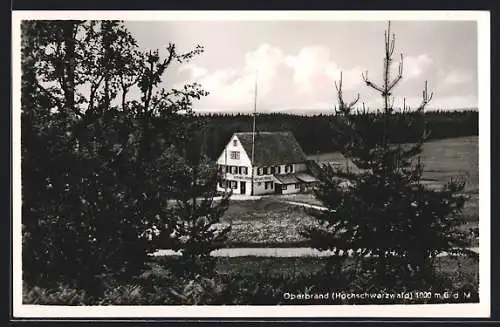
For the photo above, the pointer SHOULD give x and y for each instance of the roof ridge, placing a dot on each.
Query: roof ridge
(265, 132)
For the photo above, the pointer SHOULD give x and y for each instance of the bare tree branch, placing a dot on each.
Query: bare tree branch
(343, 106)
(352, 103)
(426, 98)
(371, 84)
(400, 68)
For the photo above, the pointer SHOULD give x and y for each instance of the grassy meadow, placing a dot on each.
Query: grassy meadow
(442, 160)
(271, 221)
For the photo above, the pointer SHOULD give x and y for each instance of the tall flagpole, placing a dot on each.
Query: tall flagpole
(253, 127)
(225, 171)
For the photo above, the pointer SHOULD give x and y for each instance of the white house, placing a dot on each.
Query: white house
(279, 164)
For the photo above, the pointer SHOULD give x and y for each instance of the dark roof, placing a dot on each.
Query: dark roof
(272, 148)
(306, 178)
(286, 179)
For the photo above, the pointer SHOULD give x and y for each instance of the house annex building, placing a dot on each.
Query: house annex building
(279, 164)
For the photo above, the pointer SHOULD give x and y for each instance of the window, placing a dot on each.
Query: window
(221, 183)
(288, 168)
(235, 155)
(268, 185)
(234, 185)
(242, 170)
(297, 186)
(234, 169)
(235, 142)
(283, 187)
(278, 170)
(259, 171)
(272, 170)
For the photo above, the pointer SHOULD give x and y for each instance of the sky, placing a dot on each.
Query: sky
(298, 62)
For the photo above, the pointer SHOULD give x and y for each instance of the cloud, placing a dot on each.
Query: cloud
(310, 85)
(314, 69)
(233, 87)
(194, 70)
(413, 67)
(266, 61)
(310, 67)
(457, 77)
(218, 79)
(228, 88)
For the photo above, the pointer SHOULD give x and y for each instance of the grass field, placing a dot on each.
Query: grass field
(269, 221)
(442, 160)
(247, 266)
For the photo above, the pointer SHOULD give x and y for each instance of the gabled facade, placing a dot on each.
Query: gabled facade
(279, 165)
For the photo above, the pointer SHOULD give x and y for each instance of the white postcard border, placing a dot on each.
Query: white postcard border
(481, 309)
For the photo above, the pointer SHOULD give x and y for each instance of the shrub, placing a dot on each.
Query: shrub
(60, 295)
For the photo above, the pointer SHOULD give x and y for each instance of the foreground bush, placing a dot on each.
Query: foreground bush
(61, 295)
(269, 281)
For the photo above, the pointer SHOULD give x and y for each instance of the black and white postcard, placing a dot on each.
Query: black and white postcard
(251, 164)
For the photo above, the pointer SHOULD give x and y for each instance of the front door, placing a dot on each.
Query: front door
(278, 188)
(243, 187)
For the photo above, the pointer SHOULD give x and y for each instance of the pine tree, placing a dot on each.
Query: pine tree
(196, 229)
(382, 207)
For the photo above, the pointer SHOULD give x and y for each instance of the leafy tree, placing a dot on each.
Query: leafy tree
(385, 209)
(95, 164)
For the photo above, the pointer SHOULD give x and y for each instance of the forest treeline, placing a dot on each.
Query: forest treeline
(316, 134)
